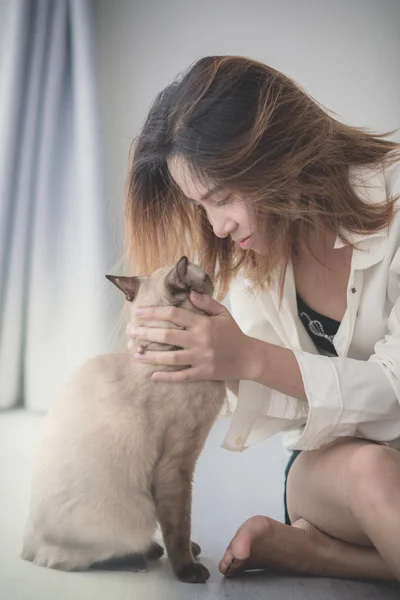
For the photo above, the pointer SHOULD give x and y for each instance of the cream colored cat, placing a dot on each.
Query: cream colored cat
(118, 453)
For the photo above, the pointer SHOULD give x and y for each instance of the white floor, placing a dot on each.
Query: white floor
(228, 489)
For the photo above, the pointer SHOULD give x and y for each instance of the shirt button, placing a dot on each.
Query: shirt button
(353, 290)
(239, 441)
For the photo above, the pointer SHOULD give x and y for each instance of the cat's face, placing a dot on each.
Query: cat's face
(166, 286)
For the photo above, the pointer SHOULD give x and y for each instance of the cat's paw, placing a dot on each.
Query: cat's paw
(196, 550)
(61, 559)
(195, 573)
(155, 551)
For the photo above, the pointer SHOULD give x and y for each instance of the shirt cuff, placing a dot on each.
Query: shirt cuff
(325, 405)
(365, 406)
(260, 413)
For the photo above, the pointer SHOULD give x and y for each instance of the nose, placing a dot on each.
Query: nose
(223, 226)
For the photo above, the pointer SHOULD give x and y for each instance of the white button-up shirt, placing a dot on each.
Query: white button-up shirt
(354, 394)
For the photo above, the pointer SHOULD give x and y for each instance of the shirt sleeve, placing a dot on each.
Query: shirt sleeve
(257, 411)
(349, 397)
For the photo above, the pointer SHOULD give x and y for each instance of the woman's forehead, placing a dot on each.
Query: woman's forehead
(186, 179)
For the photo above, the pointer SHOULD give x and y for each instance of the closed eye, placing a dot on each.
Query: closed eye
(226, 200)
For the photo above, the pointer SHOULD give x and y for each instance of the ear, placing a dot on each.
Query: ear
(128, 285)
(185, 277)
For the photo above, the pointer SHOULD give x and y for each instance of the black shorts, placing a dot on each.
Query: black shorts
(288, 466)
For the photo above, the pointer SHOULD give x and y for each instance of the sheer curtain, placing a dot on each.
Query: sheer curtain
(56, 308)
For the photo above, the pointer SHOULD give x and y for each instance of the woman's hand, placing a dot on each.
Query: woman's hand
(213, 347)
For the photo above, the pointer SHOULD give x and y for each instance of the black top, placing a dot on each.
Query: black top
(321, 329)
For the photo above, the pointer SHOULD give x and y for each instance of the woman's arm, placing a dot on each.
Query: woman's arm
(276, 368)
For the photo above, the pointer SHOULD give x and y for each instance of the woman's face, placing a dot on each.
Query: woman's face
(227, 213)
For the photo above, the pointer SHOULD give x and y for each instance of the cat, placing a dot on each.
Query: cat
(118, 452)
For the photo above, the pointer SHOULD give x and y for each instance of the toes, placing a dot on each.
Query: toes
(196, 550)
(195, 573)
(234, 567)
(241, 544)
(238, 554)
(226, 561)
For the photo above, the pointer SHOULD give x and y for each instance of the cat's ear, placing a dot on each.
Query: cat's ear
(185, 277)
(128, 285)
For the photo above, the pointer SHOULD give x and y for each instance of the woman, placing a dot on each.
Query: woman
(296, 214)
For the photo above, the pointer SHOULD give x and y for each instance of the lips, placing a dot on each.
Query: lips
(244, 243)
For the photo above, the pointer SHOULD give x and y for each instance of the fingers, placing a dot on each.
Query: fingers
(207, 304)
(178, 316)
(173, 337)
(177, 357)
(186, 375)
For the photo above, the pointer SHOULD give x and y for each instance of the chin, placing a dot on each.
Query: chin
(256, 248)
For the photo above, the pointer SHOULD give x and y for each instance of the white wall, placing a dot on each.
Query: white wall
(344, 52)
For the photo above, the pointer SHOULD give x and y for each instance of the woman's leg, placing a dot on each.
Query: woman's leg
(342, 500)
(351, 490)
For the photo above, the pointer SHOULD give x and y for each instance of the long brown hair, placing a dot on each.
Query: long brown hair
(242, 126)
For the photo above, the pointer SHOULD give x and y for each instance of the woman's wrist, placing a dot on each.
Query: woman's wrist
(255, 359)
(275, 367)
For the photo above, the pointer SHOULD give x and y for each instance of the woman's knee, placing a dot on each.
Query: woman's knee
(326, 476)
(373, 474)
(324, 487)
(313, 480)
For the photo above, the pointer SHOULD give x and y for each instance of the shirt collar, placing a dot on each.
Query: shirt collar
(369, 184)
(357, 238)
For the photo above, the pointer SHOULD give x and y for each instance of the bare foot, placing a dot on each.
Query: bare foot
(262, 543)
